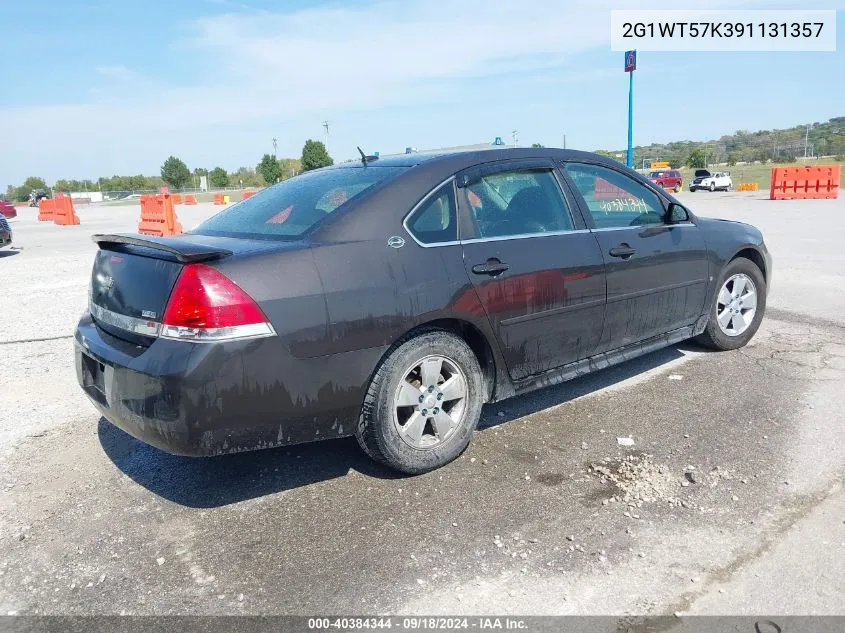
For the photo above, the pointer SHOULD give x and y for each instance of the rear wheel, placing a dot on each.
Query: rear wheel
(423, 403)
(738, 306)
(677, 188)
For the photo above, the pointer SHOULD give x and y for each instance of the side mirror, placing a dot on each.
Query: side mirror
(676, 214)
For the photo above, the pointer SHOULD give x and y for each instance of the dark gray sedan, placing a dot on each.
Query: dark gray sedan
(390, 299)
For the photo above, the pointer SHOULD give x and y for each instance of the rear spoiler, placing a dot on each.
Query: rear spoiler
(185, 251)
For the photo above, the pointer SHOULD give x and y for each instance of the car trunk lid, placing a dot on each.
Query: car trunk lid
(134, 275)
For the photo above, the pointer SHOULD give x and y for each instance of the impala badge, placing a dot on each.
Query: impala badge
(395, 242)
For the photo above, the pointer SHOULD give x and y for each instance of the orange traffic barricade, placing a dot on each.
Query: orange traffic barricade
(177, 198)
(190, 199)
(802, 183)
(218, 198)
(46, 209)
(63, 213)
(158, 217)
(247, 194)
(748, 186)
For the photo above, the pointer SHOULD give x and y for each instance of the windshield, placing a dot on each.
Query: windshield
(289, 209)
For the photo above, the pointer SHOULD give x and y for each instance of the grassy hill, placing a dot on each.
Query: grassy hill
(750, 156)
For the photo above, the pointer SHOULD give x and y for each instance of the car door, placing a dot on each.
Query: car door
(656, 267)
(536, 269)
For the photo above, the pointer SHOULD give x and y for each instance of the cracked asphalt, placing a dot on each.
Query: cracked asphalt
(741, 509)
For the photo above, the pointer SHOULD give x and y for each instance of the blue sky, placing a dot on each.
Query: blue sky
(101, 87)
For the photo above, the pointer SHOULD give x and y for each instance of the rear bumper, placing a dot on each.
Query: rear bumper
(202, 399)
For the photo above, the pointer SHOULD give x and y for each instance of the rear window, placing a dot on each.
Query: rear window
(288, 210)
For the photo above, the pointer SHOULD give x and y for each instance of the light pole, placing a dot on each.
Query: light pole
(807, 138)
(515, 135)
(326, 125)
(274, 146)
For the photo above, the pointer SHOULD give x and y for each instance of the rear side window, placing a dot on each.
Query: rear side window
(519, 202)
(436, 220)
(288, 210)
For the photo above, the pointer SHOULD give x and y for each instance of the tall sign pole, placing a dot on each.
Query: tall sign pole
(630, 67)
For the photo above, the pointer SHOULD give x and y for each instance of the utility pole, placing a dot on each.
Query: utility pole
(326, 125)
(807, 138)
(515, 135)
(564, 141)
(274, 146)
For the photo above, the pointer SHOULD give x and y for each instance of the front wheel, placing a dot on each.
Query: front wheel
(423, 403)
(712, 186)
(738, 307)
(677, 188)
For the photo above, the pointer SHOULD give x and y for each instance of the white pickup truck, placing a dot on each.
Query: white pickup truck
(703, 179)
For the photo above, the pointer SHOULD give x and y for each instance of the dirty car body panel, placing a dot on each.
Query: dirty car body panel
(353, 266)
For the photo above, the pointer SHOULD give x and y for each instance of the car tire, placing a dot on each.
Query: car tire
(381, 432)
(692, 189)
(712, 186)
(714, 336)
(677, 188)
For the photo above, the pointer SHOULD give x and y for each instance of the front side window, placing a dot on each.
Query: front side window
(518, 202)
(289, 209)
(436, 220)
(614, 199)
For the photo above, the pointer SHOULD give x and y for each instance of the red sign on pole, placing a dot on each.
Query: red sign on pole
(630, 61)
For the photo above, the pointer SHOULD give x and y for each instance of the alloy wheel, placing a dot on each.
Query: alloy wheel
(736, 305)
(430, 402)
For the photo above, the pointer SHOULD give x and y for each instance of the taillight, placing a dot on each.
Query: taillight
(205, 305)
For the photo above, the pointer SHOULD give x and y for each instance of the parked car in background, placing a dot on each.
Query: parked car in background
(391, 298)
(7, 210)
(5, 232)
(667, 178)
(703, 179)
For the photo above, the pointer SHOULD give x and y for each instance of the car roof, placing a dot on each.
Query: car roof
(470, 157)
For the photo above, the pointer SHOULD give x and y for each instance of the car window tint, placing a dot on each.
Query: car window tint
(614, 199)
(289, 209)
(519, 202)
(436, 221)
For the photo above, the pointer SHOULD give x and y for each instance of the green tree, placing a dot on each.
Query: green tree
(245, 177)
(696, 159)
(31, 183)
(290, 167)
(731, 160)
(536, 145)
(269, 169)
(175, 173)
(314, 156)
(674, 164)
(218, 178)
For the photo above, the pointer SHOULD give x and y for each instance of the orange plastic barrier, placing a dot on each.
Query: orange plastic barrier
(748, 186)
(177, 198)
(158, 216)
(190, 199)
(63, 213)
(603, 190)
(247, 194)
(218, 198)
(801, 183)
(46, 209)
